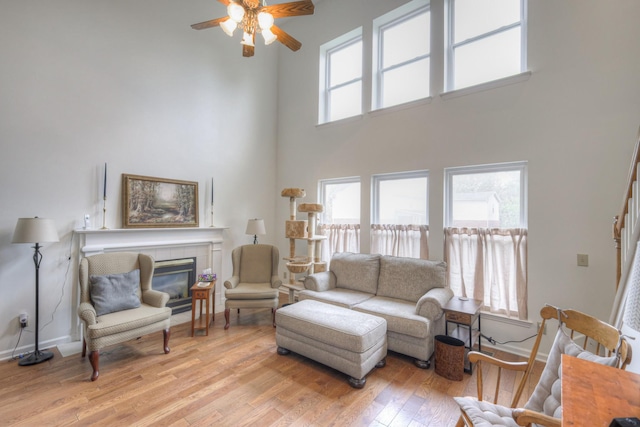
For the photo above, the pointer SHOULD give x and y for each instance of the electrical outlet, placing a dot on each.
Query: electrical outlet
(24, 320)
(545, 328)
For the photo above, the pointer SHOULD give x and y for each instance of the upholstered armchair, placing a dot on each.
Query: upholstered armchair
(117, 303)
(255, 280)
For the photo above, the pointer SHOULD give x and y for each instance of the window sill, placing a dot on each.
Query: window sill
(503, 319)
(399, 107)
(340, 122)
(517, 78)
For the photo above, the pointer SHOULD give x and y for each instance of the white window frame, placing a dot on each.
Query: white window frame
(326, 51)
(496, 167)
(322, 183)
(375, 190)
(450, 46)
(382, 23)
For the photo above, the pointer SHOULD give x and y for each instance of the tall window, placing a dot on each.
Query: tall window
(486, 235)
(341, 77)
(340, 220)
(402, 47)
(486, 40)
(399, 224)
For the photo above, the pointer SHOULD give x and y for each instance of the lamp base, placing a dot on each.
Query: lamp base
(35, 358)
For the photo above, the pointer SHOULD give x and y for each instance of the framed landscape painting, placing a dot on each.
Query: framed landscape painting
(149, 202)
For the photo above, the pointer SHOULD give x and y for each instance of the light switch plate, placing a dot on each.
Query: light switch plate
(583, 260)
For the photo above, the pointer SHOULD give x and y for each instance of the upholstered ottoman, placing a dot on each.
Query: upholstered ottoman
(346, 340)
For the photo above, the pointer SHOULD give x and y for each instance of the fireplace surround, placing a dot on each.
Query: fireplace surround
(200, 243)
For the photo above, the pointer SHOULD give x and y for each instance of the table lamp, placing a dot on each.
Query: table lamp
(35, 230)
(255, 227)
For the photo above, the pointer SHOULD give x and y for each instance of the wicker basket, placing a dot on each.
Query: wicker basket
(449, 358)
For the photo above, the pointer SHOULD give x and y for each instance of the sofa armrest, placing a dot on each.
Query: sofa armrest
(87, 313)
(232, 282)
(155, 298)
(319, 282)
(430, 304)
(276, 282)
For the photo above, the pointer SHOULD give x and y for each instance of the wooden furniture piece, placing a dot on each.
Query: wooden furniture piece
(464, 314)
(202, 292)
(545, 405)
(595, 394)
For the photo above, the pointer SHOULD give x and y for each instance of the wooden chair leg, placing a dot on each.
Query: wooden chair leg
(226, 318)
(167, 334)
(94, 358)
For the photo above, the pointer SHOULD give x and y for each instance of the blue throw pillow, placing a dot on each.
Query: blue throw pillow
(115, 292)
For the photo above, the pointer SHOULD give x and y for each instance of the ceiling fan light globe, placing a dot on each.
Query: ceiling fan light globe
(269, 37)
(235, 11)
(247, 39)
(265, 20)
(229, 27)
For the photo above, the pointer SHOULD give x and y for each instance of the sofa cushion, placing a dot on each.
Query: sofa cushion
(358, 272)
(409, 278)
(115, 292)
(341, 297)
(255, 264)
(399, 314)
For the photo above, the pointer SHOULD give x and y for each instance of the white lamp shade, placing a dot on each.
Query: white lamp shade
(265, 20)
(235, 12)
(35, 230)
(247, 39)
(255, 227)
(229, 27)
(269, 37)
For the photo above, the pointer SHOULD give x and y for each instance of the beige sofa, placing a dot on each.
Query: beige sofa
(408, 293)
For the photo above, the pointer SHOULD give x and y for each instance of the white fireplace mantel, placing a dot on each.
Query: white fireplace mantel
(205, 244)
(99, 241)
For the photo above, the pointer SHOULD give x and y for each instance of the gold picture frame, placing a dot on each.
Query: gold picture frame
(149, 202)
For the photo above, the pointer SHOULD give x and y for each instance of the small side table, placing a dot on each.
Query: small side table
(464, 314)
(201, 291)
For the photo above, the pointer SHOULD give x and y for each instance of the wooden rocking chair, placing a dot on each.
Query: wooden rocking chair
(544, 406)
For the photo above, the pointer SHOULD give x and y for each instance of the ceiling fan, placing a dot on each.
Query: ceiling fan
(254, 16)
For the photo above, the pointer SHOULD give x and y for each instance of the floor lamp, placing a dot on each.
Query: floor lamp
(35, 230)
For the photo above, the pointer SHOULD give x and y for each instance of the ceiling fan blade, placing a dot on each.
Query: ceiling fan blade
(209, 24)
(295, 8)
(286, 39)
(247, 51)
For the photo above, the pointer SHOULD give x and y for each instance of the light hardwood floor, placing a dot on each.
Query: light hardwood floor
(229, 378)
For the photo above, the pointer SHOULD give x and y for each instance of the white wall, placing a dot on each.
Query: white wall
(575, 121)
(131, 84)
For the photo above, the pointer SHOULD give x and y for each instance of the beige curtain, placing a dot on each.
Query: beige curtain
(400, 240)
(340, 238)
(489, 265)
